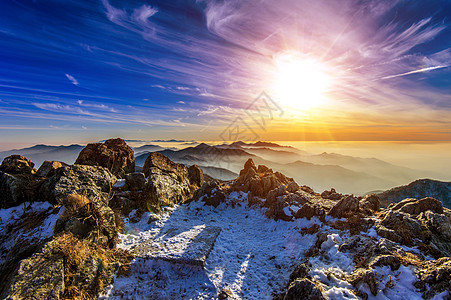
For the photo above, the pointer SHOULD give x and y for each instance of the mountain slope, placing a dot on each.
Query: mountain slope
(419, 189)
(39, 153)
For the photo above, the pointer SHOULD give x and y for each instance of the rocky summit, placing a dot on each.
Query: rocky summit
(113, 154)
(98, 229)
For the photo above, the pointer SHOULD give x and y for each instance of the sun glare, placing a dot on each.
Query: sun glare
(300, 83)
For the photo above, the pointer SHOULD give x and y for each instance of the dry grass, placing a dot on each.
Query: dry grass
(74, 202)
(76, 252)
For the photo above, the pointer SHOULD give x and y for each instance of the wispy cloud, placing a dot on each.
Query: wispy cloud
(415, 72)
(72, 79)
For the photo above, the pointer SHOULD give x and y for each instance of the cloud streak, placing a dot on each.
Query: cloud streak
(72, 79)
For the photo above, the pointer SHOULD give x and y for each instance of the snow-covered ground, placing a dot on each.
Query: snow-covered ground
(253, 256)
(18, 214)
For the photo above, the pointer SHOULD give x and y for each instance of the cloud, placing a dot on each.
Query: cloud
(97, 106)
(415, 72)
(72, 79)
(181, 102)
(142, 14)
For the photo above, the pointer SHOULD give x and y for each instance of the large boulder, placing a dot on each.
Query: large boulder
(370, 203)
(48, 168)
(402, 228)
(135, 181)
(17, 164)
(92, 182)
(168, 183)
(40, 276)
(414, 207)
(113, 154)
(158, 160)
(347, 206)
(15, 190)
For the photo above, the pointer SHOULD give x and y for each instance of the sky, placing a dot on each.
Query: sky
(350, 70)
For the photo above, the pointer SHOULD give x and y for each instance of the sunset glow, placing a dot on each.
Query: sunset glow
(300, 82)
(371, 70)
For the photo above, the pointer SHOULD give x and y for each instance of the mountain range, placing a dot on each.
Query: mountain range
(347, 174)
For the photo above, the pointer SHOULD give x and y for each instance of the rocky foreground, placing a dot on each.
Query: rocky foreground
(99, 229)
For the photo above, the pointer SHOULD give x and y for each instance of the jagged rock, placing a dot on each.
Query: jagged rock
(364, 276)
(212, 193)
(439, 227)
(292, 187)
(113, 154)
(39, 277)
(263, 169)
(345, 207)
(405, 228)
(301, 271)
(370, 202)
(16, 189)
(331, 195)
(259, 181)
(310, 210)
(49, 168)
(248, 165)
(225, 294)
(434, 277)
(17, 164)
(91, 181)
(272, 195)
(386, 260)
(158, 160)
(195, 175)
(166, 189)
(135, 181)
(303, 289)
(414, 207)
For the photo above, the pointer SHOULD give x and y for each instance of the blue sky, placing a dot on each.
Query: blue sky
(77, 71)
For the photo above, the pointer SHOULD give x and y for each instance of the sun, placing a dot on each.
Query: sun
(300, 82)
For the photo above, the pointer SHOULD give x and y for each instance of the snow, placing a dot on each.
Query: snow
(13, 214)
(120, 183)
(394, 284)
(253, 256)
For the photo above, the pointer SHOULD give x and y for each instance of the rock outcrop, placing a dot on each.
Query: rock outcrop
(92, 182)
(49, 168)
(113, 154)
(17, 164)
(161, 183)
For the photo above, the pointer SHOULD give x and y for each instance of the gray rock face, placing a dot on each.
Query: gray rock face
(169, 183)
(39, 277)
(15, 190)
(166, 188)
(17, 164)
(91, 181)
